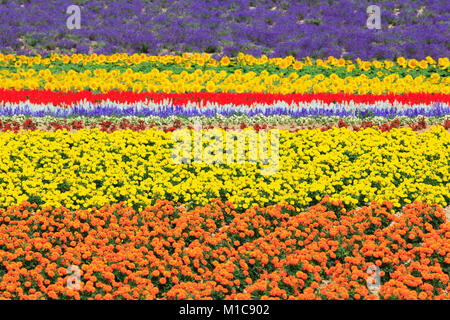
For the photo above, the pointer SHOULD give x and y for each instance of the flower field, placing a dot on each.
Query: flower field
(214, 252)
(410, 28)
(92, 168)
(306, 161)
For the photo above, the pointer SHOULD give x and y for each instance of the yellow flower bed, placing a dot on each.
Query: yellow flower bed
(202, 73)
(91, 168)
(205, 59)
(211, 81)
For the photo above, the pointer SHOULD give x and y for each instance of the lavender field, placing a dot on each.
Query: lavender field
(415, 29)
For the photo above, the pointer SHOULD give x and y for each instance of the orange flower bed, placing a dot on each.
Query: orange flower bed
(213, 252)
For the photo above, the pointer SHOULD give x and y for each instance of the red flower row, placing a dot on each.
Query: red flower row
(63, 98)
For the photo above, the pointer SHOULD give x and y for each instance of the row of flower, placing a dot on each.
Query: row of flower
(191, 62)
(169, 108)
(102, 80)
(277, 28)
(92, 168)
(172, 123)
(67, 99)
(214, 252)
(179, 78)
(213, 82)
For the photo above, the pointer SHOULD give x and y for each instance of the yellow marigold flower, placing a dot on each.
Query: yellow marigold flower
(298, 65)
(225, 61)
(435, 77)
(401, 61)
(210, 87)
(423, 64)
(412, 63)
(284, 64)
(443, 63)
(430, 60)
(239, 88)
(365, 65)
(341, 62)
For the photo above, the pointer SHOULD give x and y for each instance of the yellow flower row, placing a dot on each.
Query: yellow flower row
(212, 81)
(91, 168)
(197, 59)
